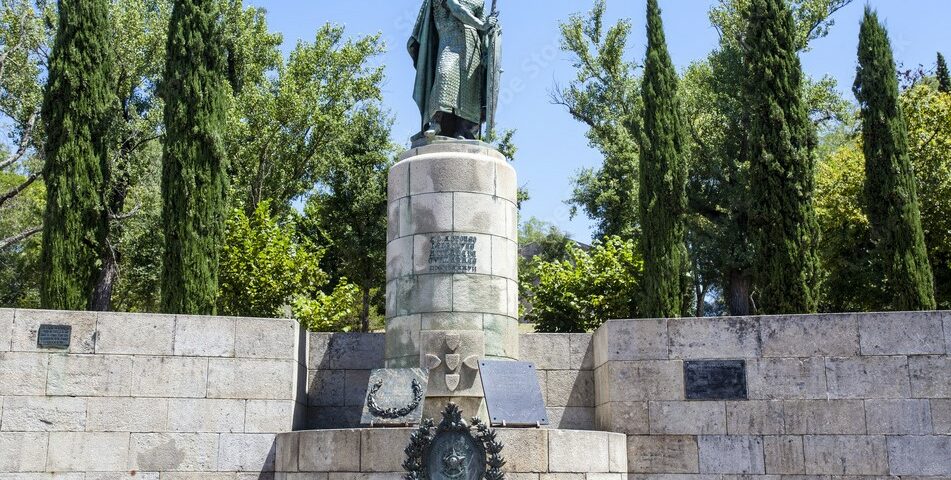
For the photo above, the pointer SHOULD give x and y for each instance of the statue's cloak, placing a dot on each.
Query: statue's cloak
(423, 48)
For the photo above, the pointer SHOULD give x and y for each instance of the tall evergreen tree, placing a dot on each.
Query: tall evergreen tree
(76, 111)
(944, 78)
(891, 197)
(194, 176)
(782, 164)
(663, 178)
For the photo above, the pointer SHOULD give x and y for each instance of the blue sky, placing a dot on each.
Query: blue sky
(552, 146)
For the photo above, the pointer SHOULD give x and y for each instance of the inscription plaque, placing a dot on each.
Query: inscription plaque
(715, 379)
(513, 395)
(452, 254)
(54, 336)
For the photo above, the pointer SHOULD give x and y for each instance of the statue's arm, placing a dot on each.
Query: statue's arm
(465, 15)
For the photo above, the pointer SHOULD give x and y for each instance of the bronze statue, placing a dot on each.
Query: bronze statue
(455, 48)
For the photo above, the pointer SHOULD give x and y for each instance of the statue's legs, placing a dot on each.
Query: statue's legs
(451, 125)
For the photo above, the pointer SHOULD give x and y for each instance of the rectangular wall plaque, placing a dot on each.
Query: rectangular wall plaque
(54, 336)
(452, 254)
(513, 395)
(715, 379)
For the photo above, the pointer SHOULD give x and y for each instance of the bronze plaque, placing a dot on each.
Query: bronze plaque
(452, 254)
(54, 336)
(715, 379)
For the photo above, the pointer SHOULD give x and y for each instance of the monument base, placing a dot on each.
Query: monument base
(597, 455)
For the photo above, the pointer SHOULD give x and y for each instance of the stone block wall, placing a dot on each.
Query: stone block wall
(139, 396)
(830, 396)
(339, 369)
(530, 454)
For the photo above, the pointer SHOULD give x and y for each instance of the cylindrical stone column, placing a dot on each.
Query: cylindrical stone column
(452, 266)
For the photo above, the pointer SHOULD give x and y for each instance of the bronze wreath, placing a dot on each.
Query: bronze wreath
(393, 413)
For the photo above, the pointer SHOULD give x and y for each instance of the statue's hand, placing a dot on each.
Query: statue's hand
(491, 22)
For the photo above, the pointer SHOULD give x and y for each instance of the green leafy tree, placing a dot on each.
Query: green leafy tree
(891, 197)
(19, 258)
(663, 178)
(782, 164)
(537, 238)
(336, 311)
(927, 114)
(139, 32)
(194, 175)
(604, 95)
(296, 119)
(944, 78)
(264, 265)
(580, 293)
(850, 282)
(77, 104)
(348, 212)
(719, 235)
(268, 269)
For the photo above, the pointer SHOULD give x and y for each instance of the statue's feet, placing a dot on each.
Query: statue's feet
(430, 134)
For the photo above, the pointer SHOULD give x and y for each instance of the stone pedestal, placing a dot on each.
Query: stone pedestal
(452, 265)
(569, 454)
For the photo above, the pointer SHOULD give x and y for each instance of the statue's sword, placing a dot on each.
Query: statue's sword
(494, 72)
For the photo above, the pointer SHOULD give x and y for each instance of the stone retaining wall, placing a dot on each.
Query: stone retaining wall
(339, 367)
(156, 397)
(139, 395)
(830, 396)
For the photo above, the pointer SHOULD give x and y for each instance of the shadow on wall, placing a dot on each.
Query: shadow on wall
(338, 370)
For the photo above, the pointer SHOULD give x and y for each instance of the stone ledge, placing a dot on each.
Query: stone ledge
(380, 451)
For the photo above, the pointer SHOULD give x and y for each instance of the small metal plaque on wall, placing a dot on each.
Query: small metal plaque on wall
(513, 395)
(715, 379)
(54, 336)
(452, 254)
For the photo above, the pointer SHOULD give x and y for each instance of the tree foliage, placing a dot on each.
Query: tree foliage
(348, 212)
(264, 264)
(927, 113)
(944, 78)
(194, 165)
(663, 178)
(891, 197)
(782, 165)
(295, 119)
(604, 95)
(586, 289)
(77, 105)
(849, 280)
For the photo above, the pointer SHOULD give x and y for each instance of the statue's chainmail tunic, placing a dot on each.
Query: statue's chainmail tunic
(458, 86)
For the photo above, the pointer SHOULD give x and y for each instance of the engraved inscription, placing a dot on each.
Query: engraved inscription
(715, 379)
(54, 336)
(452, 254)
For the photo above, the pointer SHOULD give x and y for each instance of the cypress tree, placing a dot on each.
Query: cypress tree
(194, 177)
(891, 198)
(663, 178)
(782, 165)
(77, 103)
(944, 79)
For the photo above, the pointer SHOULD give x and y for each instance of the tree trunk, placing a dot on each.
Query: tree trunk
(701, 299)
(102, 295)
(365, 311)
(738, 295)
